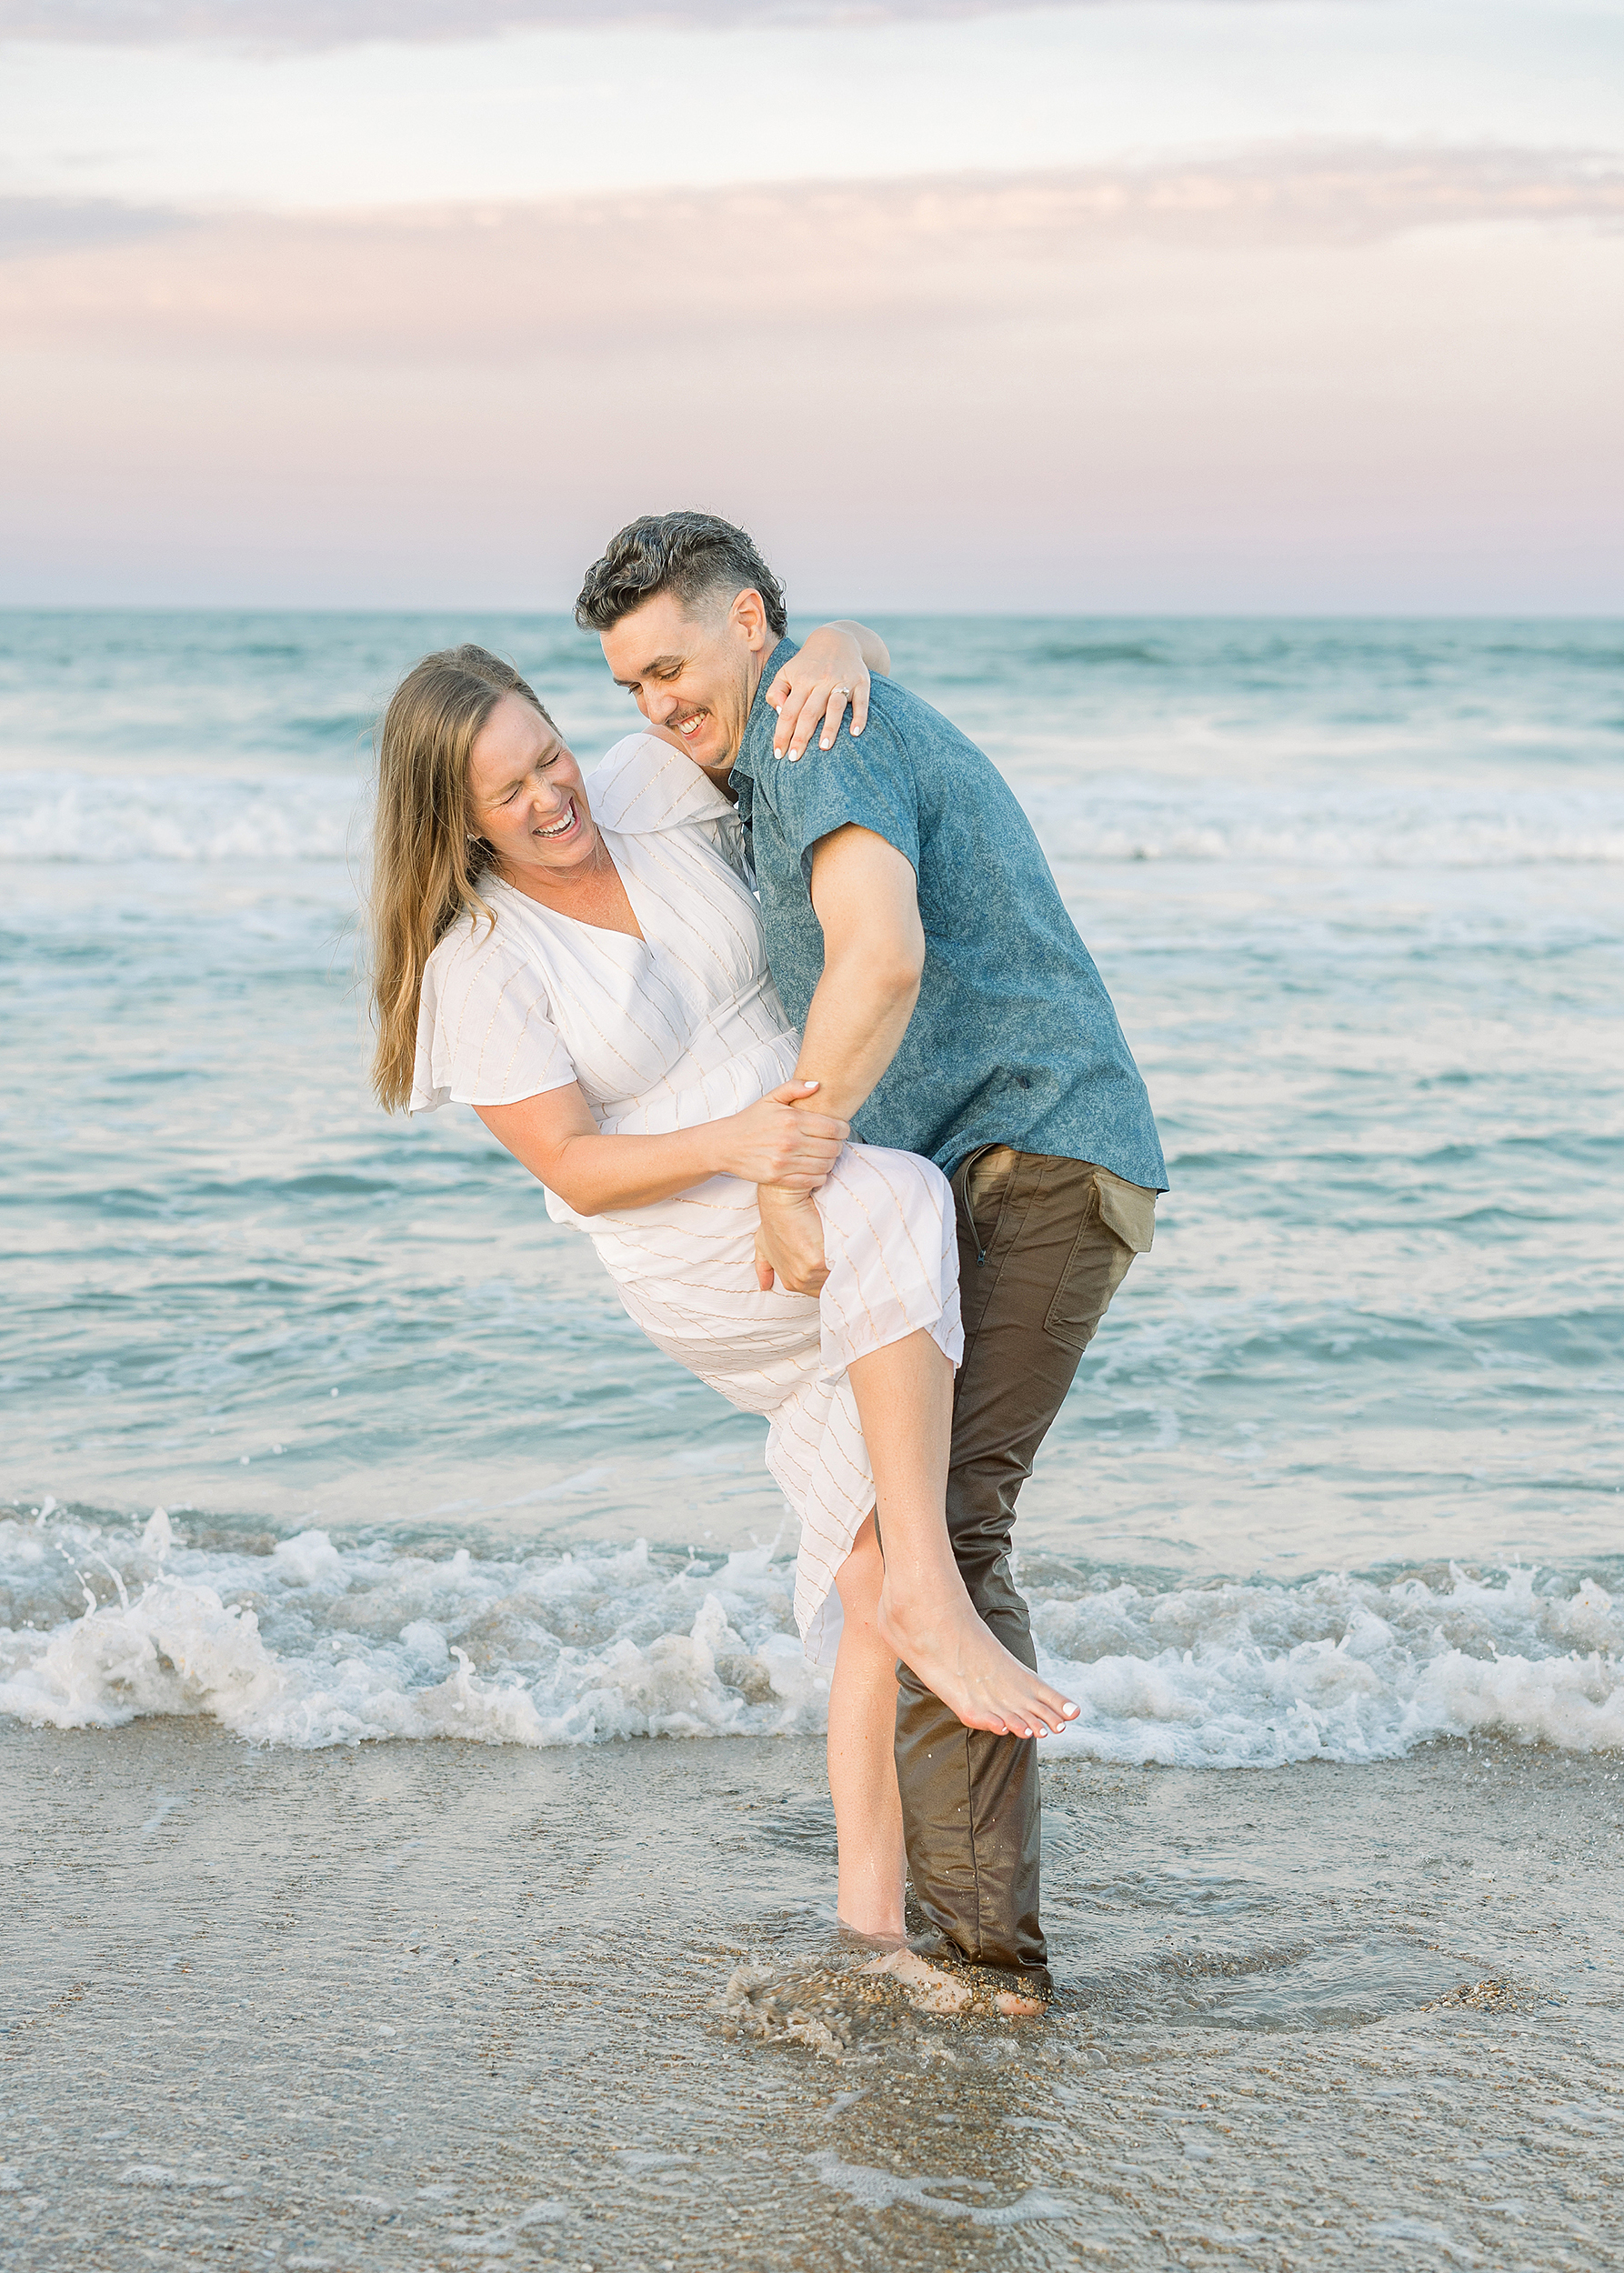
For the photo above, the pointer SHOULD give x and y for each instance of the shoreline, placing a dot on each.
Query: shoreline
(412, 2006)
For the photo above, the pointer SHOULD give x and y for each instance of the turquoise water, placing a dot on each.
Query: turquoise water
(1355, 890)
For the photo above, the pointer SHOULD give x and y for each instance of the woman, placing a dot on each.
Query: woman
(585, 968)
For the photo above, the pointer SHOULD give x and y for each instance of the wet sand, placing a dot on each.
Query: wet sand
(439, 2005)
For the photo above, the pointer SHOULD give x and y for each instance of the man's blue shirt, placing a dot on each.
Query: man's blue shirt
(1013, 1040)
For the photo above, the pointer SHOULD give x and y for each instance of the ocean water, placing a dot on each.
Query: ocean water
(311, 1422)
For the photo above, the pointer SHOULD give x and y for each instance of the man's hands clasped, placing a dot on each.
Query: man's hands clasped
(789, 1242)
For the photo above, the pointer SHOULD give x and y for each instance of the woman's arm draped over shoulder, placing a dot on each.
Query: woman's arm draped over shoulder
(834, 665)
(554, 1137)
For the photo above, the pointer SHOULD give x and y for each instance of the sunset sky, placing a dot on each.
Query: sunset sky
(1145, 304)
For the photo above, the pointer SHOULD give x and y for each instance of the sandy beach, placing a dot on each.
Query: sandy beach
(412, 2006)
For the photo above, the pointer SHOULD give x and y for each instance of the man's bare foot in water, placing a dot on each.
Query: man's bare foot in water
(1016, 2008)
(962, 1661)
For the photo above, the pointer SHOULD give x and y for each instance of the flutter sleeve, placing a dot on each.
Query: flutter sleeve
(643, 787)
(486, 1034)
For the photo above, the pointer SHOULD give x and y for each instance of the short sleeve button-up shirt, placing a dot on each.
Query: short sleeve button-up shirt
(1014, 1040)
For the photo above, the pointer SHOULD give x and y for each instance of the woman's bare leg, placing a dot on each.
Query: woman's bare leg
(904, 1400)
(862, 1758)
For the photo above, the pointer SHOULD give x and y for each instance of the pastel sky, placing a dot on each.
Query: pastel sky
(1134, 306)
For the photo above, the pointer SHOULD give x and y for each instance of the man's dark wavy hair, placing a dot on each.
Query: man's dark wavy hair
(692, 555)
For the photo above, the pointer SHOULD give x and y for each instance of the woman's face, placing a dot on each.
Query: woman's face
(528, 804)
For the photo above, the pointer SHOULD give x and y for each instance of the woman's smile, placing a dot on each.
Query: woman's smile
(562, 828)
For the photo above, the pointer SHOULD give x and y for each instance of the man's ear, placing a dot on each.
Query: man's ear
(748, 613)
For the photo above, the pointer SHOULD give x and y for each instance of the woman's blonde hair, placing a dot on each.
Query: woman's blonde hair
(427, 861)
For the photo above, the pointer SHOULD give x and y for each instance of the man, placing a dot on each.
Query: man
(948, 1007)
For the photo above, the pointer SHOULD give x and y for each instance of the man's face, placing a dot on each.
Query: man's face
(696, 675)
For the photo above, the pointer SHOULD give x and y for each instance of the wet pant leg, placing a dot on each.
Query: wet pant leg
(1038, 1263)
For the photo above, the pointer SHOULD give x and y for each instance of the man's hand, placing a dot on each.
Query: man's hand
(789, 1242)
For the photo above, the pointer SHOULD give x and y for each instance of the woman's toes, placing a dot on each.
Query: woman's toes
(1019, 2007)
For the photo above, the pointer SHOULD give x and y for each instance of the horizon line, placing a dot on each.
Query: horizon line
(920, 615)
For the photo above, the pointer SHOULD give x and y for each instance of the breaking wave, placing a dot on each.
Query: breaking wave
(1445, 829)
(308, 1643)
(1335, 1667)
(304, 816)
(87, 819)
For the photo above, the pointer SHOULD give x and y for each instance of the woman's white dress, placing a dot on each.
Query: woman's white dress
(680, 1027)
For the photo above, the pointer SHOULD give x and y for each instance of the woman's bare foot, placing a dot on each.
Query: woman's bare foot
(931, 1988)
(928, 1988)
(962, 1661)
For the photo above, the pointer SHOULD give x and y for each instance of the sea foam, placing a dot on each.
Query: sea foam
(314, 1643)
(83, 820)
(1335, 1668)
(281, 815)
(1326, 826)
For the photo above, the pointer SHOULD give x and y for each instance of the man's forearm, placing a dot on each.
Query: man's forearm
(854, 1023)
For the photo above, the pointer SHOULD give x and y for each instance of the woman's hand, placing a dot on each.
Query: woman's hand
(777, 1141)
(815, 686)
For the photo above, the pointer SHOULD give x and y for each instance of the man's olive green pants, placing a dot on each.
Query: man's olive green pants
(1043, 1245)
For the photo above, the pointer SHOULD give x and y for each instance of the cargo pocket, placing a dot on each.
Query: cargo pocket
(1128, 1209)
(1095, 1268)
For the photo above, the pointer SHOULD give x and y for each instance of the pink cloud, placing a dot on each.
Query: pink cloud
(337, 22)
(1344, 378)
(481, 283)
